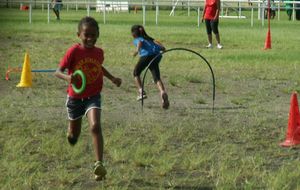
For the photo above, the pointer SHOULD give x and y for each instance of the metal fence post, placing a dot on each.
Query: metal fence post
(263, 16)
(252, 17)
(157, 13)
(222, 8)
(30, 12)
(189, 8)
(258, 11)
(48, 11)
(88, 8)
(278, 10)
(144, 14)
(294, 12)
(104, 12)
(240, 9)
(198, 17)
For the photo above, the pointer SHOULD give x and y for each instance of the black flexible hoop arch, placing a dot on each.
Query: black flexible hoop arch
(188, 50)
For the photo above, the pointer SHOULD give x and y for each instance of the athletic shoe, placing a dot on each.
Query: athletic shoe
(99, 171)
(72, 140)
(209, 46)
(219, 46)
(141, 96)
(165, 101)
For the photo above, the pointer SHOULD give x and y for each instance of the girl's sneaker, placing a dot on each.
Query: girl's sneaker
(209, 46)
(141, 96)
(165, 101)
(99, 171)
(219, 46)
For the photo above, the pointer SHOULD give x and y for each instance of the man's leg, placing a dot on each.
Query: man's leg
(208, 31)
(218, 38)
(58, 15)
(215, 29)
(55, 12)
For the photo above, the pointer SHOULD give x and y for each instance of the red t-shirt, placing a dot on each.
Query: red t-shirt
(90, 61)
(211, 9)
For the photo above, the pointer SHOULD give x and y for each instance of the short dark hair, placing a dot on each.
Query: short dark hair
(90, 21)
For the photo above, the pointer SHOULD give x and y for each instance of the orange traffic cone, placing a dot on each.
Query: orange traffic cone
(26, 78)
(293, 130)
(268, 40)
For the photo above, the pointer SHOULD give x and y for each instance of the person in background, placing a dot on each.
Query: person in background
(211, 16)
(148, 48)
(57, 7)
(289, 9)
(272, 9)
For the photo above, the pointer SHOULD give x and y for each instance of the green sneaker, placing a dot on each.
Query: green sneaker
(99, 171)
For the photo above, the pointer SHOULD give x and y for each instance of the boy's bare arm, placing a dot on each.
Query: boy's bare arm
(60, 74)
(116, 81)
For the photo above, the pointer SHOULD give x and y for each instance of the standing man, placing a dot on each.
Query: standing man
(57, 7)
(289, 9)
(211, 16)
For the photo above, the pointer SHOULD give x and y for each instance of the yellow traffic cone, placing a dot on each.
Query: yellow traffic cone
(26, 78)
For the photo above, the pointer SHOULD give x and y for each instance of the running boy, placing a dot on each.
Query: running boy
(148, 48)
(89, 59)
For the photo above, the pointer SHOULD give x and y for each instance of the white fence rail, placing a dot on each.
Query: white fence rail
(237, 5)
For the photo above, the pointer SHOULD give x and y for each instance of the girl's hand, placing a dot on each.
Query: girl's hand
(135, 53)
(117, 81)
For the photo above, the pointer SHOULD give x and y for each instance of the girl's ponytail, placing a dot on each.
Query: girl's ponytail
(144, 34)
(139, 31)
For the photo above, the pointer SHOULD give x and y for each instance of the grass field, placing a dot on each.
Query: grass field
(186, 147)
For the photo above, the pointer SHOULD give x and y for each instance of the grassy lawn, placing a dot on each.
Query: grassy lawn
(186, 147)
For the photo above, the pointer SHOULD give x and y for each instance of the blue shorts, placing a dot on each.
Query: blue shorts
(77, 108)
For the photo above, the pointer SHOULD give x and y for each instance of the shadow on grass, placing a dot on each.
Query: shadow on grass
(138, 183)
(200, 108)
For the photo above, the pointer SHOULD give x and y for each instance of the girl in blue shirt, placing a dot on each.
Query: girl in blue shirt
(148, 48)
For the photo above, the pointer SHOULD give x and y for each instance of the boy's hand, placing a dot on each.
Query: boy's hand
(117, 81)
(69, 79)
(72, 79)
